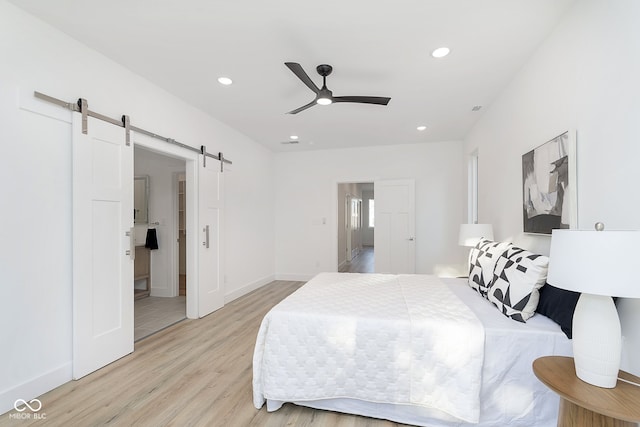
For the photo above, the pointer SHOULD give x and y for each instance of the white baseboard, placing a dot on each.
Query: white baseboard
(247, 288)
(161, 292)
(295, 277)
(35, 387)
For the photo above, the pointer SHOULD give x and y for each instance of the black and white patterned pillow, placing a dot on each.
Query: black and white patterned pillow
(519, 274)
(482, 262)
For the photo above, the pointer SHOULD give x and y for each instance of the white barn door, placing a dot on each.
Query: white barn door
(102, 247)
(394, 238)
(210, 201)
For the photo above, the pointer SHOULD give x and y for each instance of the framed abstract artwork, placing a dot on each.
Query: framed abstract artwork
(549, 185)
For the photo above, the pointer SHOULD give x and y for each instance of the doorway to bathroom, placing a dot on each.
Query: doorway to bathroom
(160, 239)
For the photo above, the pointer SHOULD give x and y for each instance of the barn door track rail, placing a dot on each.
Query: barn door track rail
(82, 107)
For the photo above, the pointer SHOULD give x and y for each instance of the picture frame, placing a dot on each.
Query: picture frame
(549, 183)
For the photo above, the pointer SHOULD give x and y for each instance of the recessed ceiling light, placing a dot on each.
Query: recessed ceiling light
(421, 128)
(440, 52)
(225, 81)
(294, 137)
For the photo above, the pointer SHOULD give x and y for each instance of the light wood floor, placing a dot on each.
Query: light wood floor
(195, 373)
(363, 263)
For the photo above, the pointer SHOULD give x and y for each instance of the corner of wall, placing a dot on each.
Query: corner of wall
(295, 277)
(35, 387)
(250, 287)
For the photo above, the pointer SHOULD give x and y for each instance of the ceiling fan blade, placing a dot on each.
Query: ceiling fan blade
(304, 107)
(363, 99)
(299, 71)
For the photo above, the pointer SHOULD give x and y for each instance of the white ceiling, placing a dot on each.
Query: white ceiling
(376, 47)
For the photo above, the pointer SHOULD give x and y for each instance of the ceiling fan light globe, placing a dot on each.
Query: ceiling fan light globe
(440, 52)
(324, 101)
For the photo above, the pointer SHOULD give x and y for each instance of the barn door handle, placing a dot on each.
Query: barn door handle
(206, 237)
(132, 243)
(411, 239)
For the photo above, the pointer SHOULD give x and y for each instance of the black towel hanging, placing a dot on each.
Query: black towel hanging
(152, 239)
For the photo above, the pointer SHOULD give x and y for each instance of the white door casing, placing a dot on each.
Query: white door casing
(210, 202)
(347, 221)
(394, 237)
(358, 234)
(103, 247)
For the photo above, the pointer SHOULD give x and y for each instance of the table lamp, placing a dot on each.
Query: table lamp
(599, 264)
(470, 234)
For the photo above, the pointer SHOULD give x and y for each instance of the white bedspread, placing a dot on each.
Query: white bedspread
(403, 339)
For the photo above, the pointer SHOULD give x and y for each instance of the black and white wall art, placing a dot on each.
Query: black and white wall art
(549, 185)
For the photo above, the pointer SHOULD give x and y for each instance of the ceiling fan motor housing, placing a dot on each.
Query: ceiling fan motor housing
(324, 70)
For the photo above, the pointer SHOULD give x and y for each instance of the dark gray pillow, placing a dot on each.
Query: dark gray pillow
(558, 305)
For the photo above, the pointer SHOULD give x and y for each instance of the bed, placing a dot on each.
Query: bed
(414, 349)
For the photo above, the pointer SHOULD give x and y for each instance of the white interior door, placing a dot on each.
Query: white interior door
(102, 249)
(210, 289)
(394, 238)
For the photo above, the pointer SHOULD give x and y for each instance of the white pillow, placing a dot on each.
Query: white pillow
(482, 262)
(519, 274)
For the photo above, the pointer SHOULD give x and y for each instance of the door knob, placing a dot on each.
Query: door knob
(132, 243)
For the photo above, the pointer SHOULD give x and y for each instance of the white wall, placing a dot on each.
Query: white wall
(306, 192)
(249, 217)
(585, 76)
(35, 166)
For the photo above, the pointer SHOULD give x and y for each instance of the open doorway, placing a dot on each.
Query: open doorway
(356, 225)
(159, 217)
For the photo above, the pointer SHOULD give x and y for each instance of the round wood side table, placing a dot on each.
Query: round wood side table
(585, 405)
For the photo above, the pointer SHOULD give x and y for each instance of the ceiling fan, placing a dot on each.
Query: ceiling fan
(324, 96)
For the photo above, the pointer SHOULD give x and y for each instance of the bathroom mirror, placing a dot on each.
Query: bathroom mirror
(141, 199)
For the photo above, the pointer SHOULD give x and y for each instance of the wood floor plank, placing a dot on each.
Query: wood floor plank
(194, 373)
(364, 262)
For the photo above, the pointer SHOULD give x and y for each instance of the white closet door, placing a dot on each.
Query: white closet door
(394, 238)
(210, 201)
(102, 265)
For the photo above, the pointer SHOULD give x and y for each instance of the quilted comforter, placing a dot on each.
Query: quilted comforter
(401, 339)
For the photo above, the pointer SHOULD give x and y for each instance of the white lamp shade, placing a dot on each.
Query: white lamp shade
(470, 234)
(595, 262)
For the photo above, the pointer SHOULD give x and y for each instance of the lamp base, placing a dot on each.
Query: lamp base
(597, 340)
